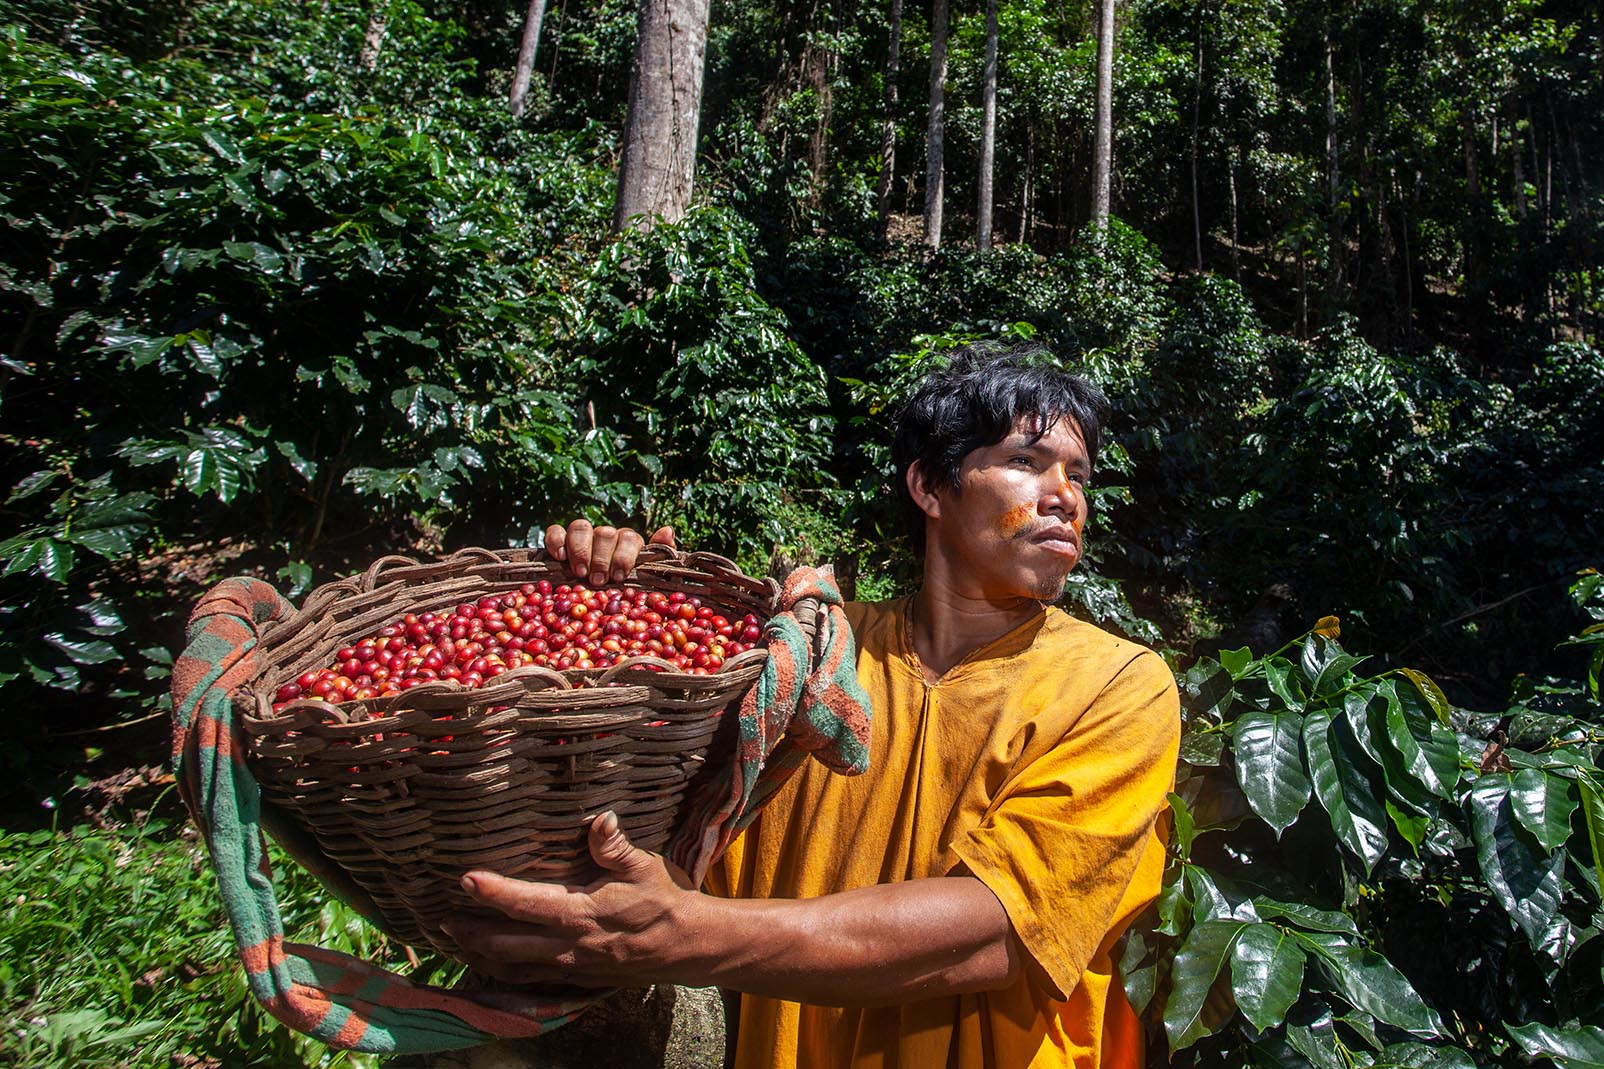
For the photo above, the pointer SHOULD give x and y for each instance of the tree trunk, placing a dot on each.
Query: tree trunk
(988, 132)
(526, 57)
(1103, 127)
(888, 128)
(1236, 264)
(1472, 236)
(1027, 195)
(1197, 108)
(658, 164)
(934, 146)
(818, 66)
(373, 39)
(1333, 171)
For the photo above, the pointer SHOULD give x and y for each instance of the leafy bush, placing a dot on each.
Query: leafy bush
(1364, 874)
(114, 951)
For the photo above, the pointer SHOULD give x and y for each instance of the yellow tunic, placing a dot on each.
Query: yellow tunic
(1040, 763)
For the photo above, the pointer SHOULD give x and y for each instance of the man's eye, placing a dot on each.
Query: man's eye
(1022, 461)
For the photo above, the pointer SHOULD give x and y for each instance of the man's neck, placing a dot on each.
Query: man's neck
(948, 625)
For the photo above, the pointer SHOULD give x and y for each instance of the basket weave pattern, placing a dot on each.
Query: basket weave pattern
(406, 793)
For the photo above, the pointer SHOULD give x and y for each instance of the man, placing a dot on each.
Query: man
(957, 905)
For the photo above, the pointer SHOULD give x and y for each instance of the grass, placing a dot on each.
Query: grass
(114, 951)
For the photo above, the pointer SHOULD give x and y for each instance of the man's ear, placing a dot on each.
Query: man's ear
(925, 498)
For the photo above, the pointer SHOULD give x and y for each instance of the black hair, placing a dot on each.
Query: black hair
(974, 402)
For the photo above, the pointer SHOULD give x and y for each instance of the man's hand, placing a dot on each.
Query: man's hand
(619, 930)
(600, 554)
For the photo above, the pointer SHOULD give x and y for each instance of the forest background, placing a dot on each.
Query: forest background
(286, 287)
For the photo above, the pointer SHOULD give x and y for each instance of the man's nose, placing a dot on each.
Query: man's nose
(1060, 493)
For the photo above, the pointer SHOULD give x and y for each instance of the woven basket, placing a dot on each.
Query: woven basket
(505, 777)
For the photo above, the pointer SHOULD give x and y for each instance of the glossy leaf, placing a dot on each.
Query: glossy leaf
(1357, 818)
(1269, 766)
(1543, 804)
(1573, 1047)
(1523, 878)
(1305, 915)
(1317, 1041)
(1402, 756)
(1266, 974)
(1429, 692)
(1279, 676)
(1370, 983)
(1593, 814)
(1200, 963)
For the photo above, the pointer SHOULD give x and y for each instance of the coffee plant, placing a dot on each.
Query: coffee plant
(1363, 874)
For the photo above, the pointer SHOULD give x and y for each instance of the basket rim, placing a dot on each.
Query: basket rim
(627, 683)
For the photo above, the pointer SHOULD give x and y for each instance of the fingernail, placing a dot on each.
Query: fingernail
(470, 885)
(598, 578)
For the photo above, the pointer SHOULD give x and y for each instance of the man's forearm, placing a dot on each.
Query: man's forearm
(883, 944)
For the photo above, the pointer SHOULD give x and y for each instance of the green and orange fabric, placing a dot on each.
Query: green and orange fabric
(807, 701)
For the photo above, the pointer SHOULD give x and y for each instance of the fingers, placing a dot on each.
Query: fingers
(600, 555)
(612, 554)
(521, 900)
(611, 847)
(557, 541)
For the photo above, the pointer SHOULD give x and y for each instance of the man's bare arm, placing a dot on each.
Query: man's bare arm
(644, 924)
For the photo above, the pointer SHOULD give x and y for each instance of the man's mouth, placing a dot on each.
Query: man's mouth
(1060, 540)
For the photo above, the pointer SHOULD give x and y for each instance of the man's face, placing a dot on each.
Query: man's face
(1012, 528)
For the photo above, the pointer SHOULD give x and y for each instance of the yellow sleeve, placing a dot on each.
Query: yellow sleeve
(1063, 837)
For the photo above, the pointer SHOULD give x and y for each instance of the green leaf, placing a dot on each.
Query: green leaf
(1543, 804)
(1593, 812)
(1237, 662)
(1191, 1013)
(221, 144)
(1183, 829)
(1524, 880)
(1269, 766)
(32, 484)
(1413, 1055)
(1429, 692)
(1305, 916)
(1278, 675)
(1411, 824)
(1266, 974)
(268, 259)
(1317, 1041)
(1403, 758)
(1575, 1047)
(1370, 983)
(80, 651)
(1357, 818)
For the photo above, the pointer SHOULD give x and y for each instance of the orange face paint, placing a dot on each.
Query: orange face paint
(1015, 520)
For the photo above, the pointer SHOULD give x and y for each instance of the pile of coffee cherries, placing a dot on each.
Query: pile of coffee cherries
(569, 625)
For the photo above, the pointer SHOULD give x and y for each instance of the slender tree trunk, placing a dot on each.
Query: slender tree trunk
(658, 164)
(1103, 126)
(373, 39)
(1197, 108)
(1472, 236)
(1236, 265)
(526, 57)
(988, 132)
(818, 65)
(934, 138)
(1517, 157)
(1027, 196)
(888, 128)
(1333, 171)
